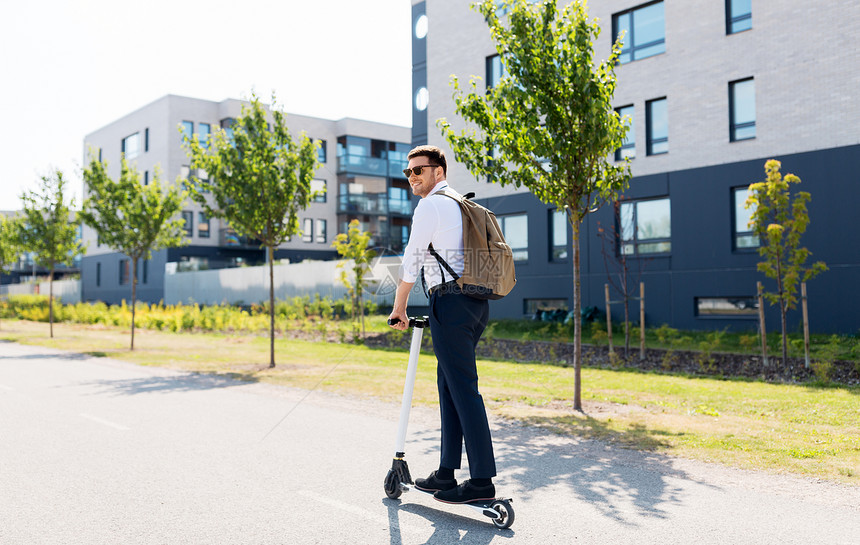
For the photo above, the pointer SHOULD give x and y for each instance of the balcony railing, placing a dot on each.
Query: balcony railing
(359, 164)
(368, 203)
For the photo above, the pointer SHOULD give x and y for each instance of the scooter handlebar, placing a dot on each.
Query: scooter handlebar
(414, 321)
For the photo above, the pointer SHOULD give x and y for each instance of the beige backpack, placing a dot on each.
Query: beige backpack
(488, 261)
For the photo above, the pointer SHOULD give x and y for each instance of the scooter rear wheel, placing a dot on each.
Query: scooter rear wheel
(392, 485)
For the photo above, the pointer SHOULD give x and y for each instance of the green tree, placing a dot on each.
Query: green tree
(259, 179)
(48, 230)
(779, 219)
(548, 124)
(10, 247)
(132, 218)
(353, 245)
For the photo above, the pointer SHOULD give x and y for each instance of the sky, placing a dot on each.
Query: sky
(71, 67)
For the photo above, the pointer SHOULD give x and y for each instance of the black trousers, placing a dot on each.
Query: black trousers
(456, 323)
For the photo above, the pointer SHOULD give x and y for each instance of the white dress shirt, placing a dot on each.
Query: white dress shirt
(437, 219)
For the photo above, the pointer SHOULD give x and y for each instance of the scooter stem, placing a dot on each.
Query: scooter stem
(406, 405)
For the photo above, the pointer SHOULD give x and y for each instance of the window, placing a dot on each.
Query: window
(98, 274)
(322, 151)
(744, 237)
(202, 225)
(145, 177)
(515, 228)
(144, 269)
(738, 15)
(123, 271)
(657, 127)
(318, 189)
(187, 130)
(646, 227)
(495, 70)
(644, 31)
(558, 235)
(727, 307)
(188, 218)
(422, 99)
(146, 139)
(203, 130)
(628, 148)
(532, 306)
(320, 233)
(308, 230)
(421, 27)
(131, 146)
(741, 110)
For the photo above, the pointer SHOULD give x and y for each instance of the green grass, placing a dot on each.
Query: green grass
(800, 429)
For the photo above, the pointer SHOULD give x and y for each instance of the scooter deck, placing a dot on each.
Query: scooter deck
(501, 518)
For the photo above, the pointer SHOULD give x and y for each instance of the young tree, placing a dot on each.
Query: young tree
(618, 267)
(259, 180)
(548, 124)
(48, 230)
(353, 245)
(779, 219)
(132, 218)
(10, 247)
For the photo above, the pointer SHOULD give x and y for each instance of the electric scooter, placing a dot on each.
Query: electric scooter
(398, 479)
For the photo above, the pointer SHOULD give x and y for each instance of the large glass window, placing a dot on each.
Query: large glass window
(657, 127)
(646, 227)
(644, 31)
(187, 129)
(742, 110)
(188, 218)
(738, 15)
(320, 233)
(628, 148)
(558, 235)
(131, 146)
(515, 228)
(727, 307)
(322, 151)
(495, 70)
(744, 237)
(318, 189)
(308, 230)
(203, 131)
(202, 225)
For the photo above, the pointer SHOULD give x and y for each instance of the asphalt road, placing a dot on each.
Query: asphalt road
(95, 451)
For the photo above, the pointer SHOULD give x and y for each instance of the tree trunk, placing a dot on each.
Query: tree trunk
(577, 319)
(51, 301)
(782, 309)
(133, 295)
(271, 251)
(626, 313)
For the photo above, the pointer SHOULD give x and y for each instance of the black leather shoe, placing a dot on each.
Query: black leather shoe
(434, 484)
(466, 493)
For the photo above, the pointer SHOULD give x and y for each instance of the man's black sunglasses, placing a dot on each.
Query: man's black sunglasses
(417, 170)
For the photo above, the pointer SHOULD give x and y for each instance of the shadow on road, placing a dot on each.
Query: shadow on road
(161, 384)
(535, 463)
(448, 527)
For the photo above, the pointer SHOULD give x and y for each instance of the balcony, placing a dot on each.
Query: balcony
(359, 164)
(363, 203)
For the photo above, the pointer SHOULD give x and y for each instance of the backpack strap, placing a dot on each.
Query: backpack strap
(443, 263)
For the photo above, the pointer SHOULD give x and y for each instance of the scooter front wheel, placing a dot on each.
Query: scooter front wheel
(506, 514)
(392, 485)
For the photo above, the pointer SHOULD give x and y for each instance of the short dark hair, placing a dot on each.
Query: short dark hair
(431, 152)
